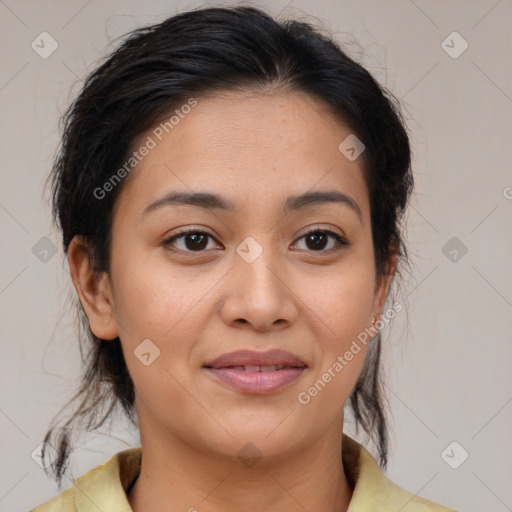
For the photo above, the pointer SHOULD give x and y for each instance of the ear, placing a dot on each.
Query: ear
(383, 283)
(93, 289)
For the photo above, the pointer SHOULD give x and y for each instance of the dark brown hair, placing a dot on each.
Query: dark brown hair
(160, 67)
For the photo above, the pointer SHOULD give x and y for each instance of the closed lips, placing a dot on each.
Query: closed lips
(253, 361)
(252, 372)
(257, 368)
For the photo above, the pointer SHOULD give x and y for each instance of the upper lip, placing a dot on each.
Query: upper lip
(253, 358)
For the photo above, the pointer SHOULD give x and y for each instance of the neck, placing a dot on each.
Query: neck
(175, 477)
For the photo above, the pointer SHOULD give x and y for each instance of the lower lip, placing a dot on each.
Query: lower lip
(257, 382)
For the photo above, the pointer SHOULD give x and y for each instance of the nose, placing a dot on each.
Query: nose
(258, 296)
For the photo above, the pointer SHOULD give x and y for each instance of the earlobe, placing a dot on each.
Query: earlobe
(93, 290)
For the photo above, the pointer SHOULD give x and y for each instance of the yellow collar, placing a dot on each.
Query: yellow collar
(104, 487)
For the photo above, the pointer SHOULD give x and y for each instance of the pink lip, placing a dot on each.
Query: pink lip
(253, 358)
(256, 382)
(227, 369)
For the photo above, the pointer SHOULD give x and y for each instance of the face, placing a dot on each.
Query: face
(255, 268)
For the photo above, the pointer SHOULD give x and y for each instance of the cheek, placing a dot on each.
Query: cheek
(157, 305)
(343, 302)
(342, 307)
(152, 298)
(169, 308)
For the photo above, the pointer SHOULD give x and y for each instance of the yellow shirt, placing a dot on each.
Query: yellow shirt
(104, 487)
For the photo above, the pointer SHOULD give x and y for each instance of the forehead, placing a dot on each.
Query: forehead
(252, 146)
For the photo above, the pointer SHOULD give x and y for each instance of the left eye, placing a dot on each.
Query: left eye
(317, 239)
(197, 241)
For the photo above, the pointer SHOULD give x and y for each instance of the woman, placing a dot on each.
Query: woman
(230, 191)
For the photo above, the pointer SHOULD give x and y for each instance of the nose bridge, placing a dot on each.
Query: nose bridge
(256, 263)
(258, 294)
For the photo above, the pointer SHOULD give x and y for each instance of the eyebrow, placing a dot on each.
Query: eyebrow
(210, 201)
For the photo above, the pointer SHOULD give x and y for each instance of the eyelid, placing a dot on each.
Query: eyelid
(191, 229)
(325, 229)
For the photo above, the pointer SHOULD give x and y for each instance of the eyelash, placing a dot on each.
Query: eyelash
(341, 241)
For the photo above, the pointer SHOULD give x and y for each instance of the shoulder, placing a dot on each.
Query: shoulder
(372, 490)
(104, 485)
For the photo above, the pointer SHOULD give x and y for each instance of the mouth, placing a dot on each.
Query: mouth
(256, 368)
(251, 360)
(256, 372)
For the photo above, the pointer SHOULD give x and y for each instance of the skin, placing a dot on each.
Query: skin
(255, 150)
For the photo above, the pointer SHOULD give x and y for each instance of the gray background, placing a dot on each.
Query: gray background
(448, 367)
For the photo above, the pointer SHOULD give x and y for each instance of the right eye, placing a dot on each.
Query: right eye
(191, 240)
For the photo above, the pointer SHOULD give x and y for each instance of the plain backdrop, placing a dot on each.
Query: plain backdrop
(448, 360)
